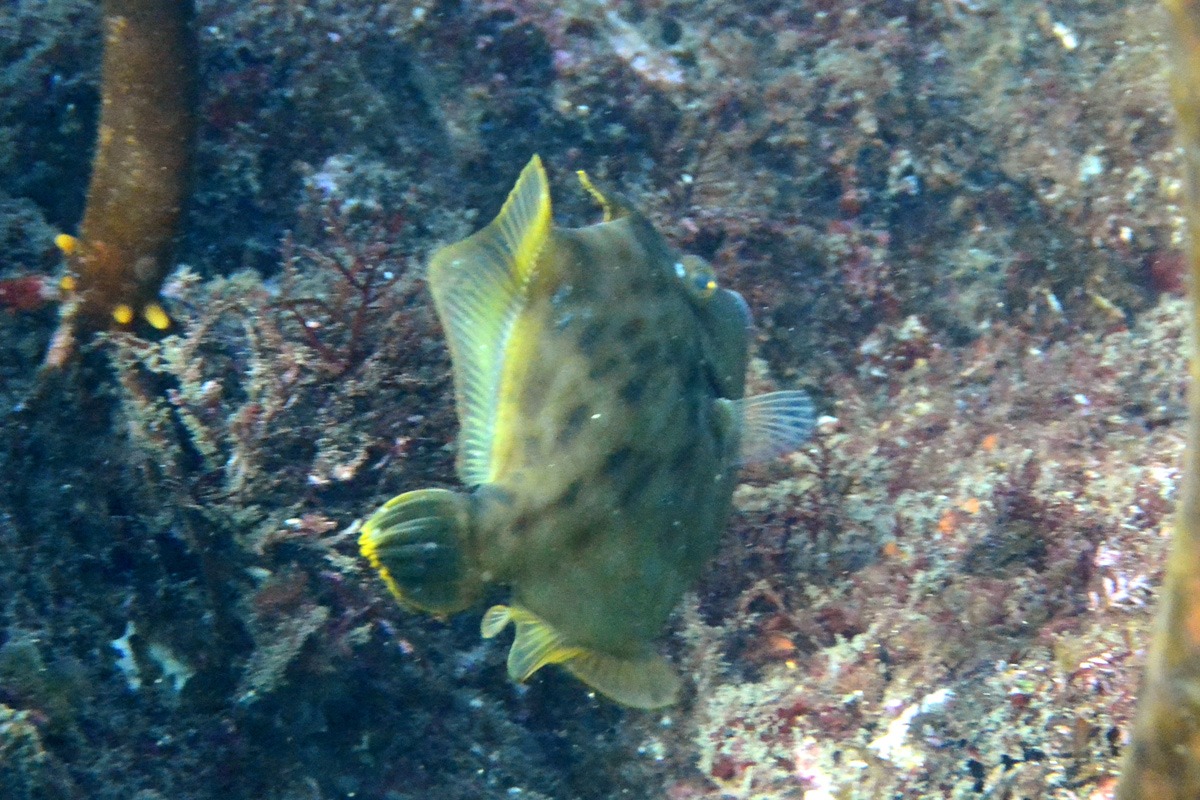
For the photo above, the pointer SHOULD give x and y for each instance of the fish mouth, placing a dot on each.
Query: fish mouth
(743, 308)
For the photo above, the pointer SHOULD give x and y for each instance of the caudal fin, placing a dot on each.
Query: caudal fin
(419, 542)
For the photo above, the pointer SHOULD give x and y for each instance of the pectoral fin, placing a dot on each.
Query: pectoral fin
(647, 682)
(774, 424)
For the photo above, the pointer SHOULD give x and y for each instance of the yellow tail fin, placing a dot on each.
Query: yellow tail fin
(419, 543)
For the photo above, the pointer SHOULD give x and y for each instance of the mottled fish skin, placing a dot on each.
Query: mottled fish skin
(621, 465)
(599, 378)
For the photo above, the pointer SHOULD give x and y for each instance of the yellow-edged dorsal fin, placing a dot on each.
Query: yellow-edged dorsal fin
(479, 287)
(611, 204)
(598, 195)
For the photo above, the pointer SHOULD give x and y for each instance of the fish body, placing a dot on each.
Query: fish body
(599, 377)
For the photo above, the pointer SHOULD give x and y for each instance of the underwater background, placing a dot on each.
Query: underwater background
(954, 223)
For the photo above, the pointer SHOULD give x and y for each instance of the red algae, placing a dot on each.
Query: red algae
(27, 293)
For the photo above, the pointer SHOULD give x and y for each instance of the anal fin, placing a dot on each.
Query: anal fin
(419, 542)
(535, 645)
(644, 682)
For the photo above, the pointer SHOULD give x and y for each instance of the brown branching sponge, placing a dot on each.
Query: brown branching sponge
(1163, 759)
(140, 173)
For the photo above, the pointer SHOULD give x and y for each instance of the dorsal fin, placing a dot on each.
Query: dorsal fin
(479, 287)
(612, 205)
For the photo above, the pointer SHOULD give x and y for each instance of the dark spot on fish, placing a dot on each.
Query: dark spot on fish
(570, 496)
(533, 397)
(638, 287)
(522, 524)
(617, 460)
(677, 352)
(573, 424)
(694, 379)
(604, 368)
(647, 353)
(590, 336)
(533, 446)
(631, 329)
(579, 537)
(633, 390)
(684, 457)
(695, 410)
(641, 477)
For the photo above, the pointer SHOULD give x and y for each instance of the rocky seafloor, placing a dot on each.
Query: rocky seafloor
(954, 222)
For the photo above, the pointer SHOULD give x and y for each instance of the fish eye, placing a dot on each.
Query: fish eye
(697, 277)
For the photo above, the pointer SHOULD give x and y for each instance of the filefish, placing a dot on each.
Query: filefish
(599, 379)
